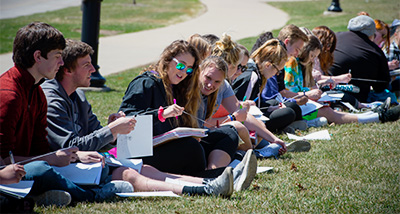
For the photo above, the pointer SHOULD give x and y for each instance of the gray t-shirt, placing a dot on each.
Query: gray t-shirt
(224, 91)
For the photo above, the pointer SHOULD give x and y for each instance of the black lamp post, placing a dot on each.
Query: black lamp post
(90, 35)
(335, 6)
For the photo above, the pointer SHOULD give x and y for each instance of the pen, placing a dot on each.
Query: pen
(244, 98)
(12, 157)
(304, 93)
(175, 103)
(255, 100)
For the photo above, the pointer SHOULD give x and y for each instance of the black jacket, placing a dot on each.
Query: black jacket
(241, 83)
(365, 59)
(144, 95)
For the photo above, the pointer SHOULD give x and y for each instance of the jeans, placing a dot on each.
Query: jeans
(45, 178)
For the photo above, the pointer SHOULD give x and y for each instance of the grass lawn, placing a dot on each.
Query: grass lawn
(358, 171)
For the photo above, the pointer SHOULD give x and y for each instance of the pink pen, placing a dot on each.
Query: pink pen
(175, 103)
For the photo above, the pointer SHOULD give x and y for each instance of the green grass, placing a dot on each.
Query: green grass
(117, 17)
(358, 171)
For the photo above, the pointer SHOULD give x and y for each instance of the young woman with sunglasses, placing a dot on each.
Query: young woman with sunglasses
(165, 91)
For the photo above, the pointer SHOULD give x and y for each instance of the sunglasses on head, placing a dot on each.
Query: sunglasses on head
(180, 66)
(242, 68)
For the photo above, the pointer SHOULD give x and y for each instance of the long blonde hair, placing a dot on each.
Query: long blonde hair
(271, 51)
(187, 92)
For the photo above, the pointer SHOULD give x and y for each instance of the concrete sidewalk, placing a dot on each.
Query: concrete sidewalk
(238, 18)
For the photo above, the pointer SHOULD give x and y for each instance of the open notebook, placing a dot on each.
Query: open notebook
(18, 190)
(179, 132)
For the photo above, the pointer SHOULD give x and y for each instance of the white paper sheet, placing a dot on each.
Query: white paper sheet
(257, 113)
(149, 194)
(330, 97)
(17, 190)
(349, 106)
(139, 142)
(262, 169)
(135, 164)
(320, 135)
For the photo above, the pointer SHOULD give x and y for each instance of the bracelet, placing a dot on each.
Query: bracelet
(233, 117)
(230, 117)
(160, 113)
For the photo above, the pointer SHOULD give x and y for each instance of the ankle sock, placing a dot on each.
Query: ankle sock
(193, 190)
(368, 117)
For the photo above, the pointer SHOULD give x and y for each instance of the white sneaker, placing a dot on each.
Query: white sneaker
(244, 172)
(53, 197)
(222, 185)
(317, 122)
(108, 190)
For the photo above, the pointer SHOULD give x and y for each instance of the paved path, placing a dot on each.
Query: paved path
(239, 18)
(15, 8)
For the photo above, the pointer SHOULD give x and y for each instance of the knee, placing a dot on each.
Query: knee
(126, 174)
(37, 169)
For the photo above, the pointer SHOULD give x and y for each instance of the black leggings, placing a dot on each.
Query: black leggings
(187, 156)
(181, 156)
(224, 138)
(281, 118)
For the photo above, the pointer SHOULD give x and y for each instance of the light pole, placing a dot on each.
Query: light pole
(335, 6)
(90, 35)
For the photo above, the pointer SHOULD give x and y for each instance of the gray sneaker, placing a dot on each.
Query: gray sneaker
(244, 172)
(222, 185)
(299, 124)
(53, 197)
(317, 122)
(298, 146)
(108, 190)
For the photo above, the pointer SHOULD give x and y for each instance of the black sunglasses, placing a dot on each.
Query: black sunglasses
(242, 68)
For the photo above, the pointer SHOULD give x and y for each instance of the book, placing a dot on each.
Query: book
(179, 132)
(18, 190)
(82, 173)
(309, 107)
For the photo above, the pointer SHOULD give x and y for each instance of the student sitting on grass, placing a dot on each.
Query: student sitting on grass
(176, 75)
(37, 55)
(295, 82)
(230, 52)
